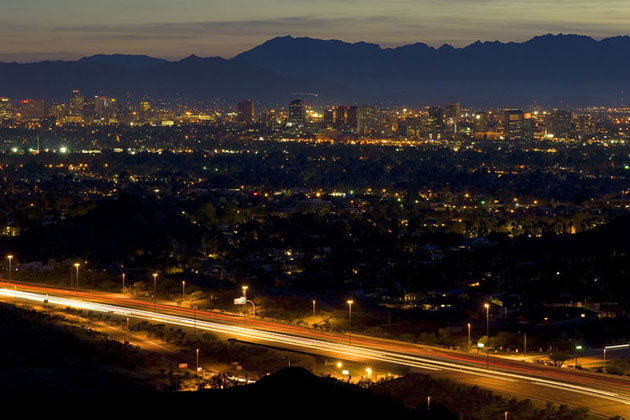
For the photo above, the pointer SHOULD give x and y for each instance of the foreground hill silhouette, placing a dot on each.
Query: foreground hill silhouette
(571, 69)
(78, 374)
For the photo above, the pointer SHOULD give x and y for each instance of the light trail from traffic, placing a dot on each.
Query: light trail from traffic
(330, 348)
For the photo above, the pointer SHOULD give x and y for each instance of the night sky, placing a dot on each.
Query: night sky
(67, 29)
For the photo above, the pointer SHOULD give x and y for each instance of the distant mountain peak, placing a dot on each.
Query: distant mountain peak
(125, 60)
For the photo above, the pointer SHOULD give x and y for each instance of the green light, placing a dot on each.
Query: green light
(14, 149)
(63, 149)
(627, 167)
(483, 202)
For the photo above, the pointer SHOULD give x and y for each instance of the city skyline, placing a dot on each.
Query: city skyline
(67, 29)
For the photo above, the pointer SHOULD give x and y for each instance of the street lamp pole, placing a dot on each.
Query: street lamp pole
(313, 308)
(154, 291)
(123, 279)
(487, 306)
(469, 335)
(350, 302)
(183, 289)
(197, 360)
(244, 289)
(575, 354)
(9, 257)
(76, 266)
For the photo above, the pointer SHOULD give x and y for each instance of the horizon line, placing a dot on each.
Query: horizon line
(379, 45)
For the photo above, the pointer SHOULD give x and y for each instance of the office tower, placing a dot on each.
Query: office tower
(76, 103)
(584, 125)
(412, 128)
(513, 124)
(528, 127)
(245, 112)
(297, 111)
(104, 107)
(480, 122)
(58, 111)
(32, 108)
(6, 110)
(89, 110)
(560, 123)
(452, 113)
(144, 111)
(362, 119)
(435, 122)
(337, 117)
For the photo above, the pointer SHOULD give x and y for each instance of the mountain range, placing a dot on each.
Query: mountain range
(548, 69)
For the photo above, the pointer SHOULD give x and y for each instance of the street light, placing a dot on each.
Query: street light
(123, 279)
(9, 257)
(154, 290)
(313, 308)
(469, 335)
(76, 266)
(197, 360)
(575, 354)
(183, 289)
(244, 289)
(487, 306)
(350, 302)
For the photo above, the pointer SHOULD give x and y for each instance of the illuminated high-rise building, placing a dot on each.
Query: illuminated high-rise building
(76, 103)
(6, 109)
(144, 111)
(452, 113)
(297, 111)
(435, 122)
(560, 123)
(480, 122)
(58, 111)
(363, 119)
(337, 117)
(245, 112)
(32, 108)
(104, 107)
(584, 125)
(513, 124)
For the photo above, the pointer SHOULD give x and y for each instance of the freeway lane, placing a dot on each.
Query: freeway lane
(605, 395)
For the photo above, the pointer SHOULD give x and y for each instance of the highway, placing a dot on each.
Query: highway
(603, 395)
